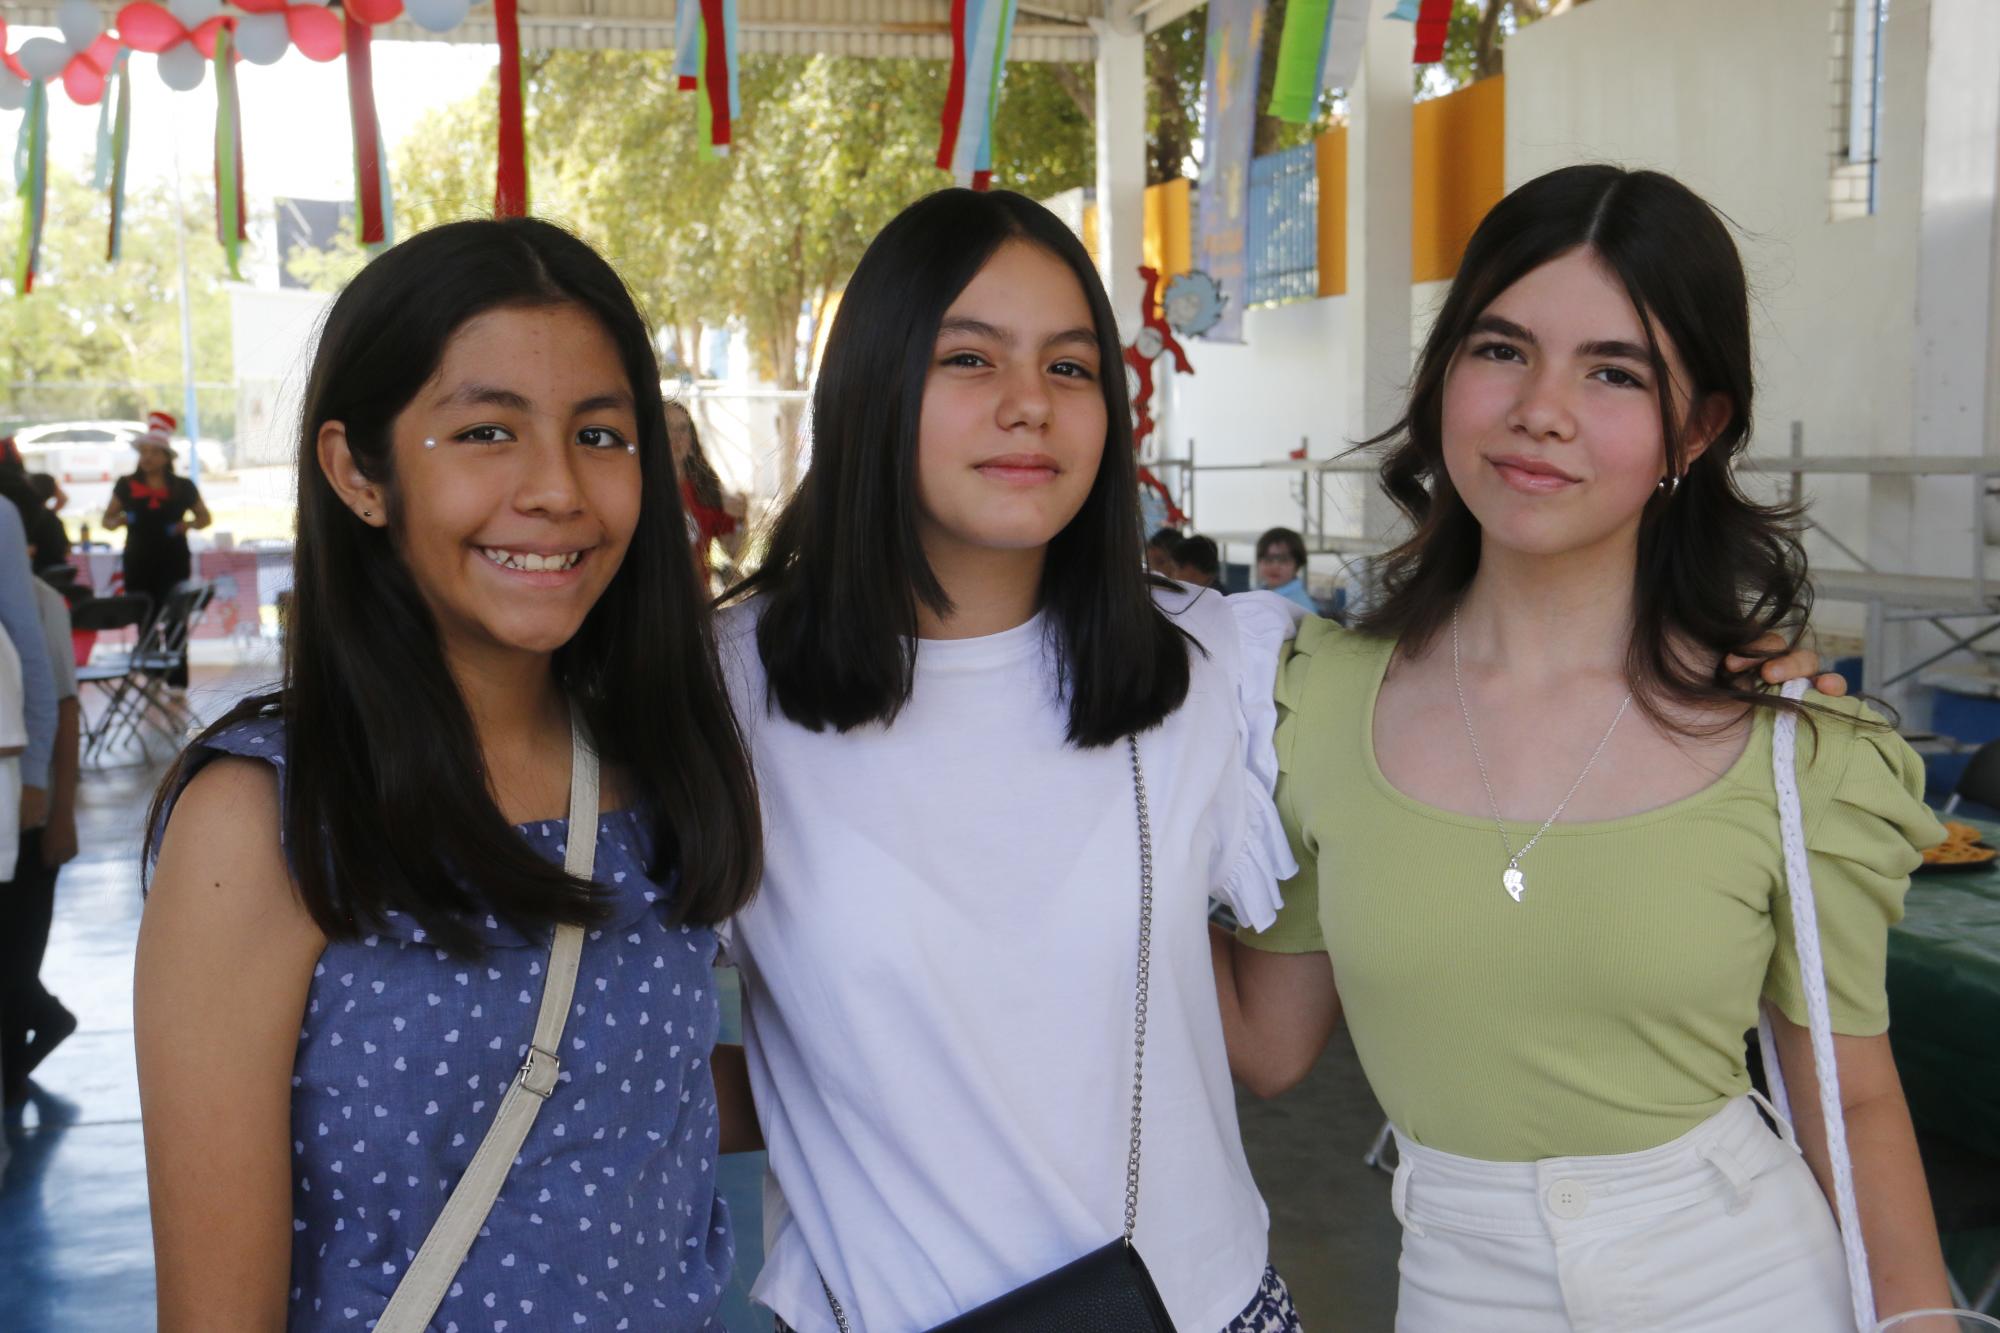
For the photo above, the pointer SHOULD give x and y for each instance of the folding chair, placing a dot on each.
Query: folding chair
(141, 700)
(112, 675)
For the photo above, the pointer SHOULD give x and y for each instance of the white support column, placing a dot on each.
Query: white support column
(1121, 160)
(1379, 148)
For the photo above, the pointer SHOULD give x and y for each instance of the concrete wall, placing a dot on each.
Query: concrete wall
(1738, 100)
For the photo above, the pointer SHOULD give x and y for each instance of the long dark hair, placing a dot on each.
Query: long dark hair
(386, 804)
(846, 570)
(1716, 569)
(699, 472)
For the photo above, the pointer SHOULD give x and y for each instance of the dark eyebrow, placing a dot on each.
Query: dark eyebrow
(1612, 347)
(612, 400)
(1506, 328)
(979, 328)
(1623, 351)
(484, 395)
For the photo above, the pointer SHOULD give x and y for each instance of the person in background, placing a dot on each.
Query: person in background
(1160, 551)
(32, 1021)
(1198, 563)
(47, 534)
(48, 544)
(1281, 566)
(158, 506)
(713, 514)
(27, 693)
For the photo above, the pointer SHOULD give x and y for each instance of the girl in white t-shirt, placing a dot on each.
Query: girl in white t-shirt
(938, 669)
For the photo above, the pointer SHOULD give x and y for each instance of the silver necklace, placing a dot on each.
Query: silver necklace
(1512, 879)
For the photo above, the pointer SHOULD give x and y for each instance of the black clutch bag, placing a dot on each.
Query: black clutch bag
(1106, 1291)
(1109, 1289)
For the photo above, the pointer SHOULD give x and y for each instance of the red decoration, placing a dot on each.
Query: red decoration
(83, 78)
(316, 31)
(510, 189)
(1433, 21)
(367, 135)
(373, 12)
(1161, 333)
(715, 71)
(954, 93)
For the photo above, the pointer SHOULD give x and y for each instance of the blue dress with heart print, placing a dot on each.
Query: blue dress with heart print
(610, 1218)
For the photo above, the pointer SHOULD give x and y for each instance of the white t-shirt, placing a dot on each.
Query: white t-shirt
(939, 968)
(56, 630)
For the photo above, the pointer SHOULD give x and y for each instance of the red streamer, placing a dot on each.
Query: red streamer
(510, 191)
(715, 70)
(1433, 22)
(367, 134)
(954, 93)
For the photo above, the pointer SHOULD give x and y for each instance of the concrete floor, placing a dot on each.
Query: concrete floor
(75, 1243)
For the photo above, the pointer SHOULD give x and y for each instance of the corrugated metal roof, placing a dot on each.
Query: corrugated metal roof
(1044, 30)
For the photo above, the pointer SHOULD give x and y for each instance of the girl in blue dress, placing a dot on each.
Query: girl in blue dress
(358, 875)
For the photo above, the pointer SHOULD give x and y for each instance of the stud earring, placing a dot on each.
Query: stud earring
(631, 448)
(430, 444)
(367, 513)
(1668, 485)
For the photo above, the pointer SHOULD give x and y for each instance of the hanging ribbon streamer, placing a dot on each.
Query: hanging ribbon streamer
(31, 176)
(980, 32)
(369, 191)
(510, 189)
(1318, 53)
(231, 224)
(112, 150)
(687, 45)
(1433, 24)
(705, 61)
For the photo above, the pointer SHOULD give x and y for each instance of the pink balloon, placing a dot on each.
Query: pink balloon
(83, 81)
(103, 52)
(145, 26)
(317, 32)
(260, 6)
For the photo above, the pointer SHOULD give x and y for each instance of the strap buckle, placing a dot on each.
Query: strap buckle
(539, 1072)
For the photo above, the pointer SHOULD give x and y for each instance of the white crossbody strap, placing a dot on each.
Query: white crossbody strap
(429, 1275)
(1812, 976)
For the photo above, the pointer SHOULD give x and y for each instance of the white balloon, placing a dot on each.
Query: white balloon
(43, 57)
(13, 92)
(437, 15)
(80, 22)
(194, 13)
(182, 67)
(262, 38)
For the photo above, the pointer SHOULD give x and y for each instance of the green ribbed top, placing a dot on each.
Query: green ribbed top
(1605, 1013)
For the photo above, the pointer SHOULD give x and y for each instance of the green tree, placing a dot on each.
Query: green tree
(89, 322)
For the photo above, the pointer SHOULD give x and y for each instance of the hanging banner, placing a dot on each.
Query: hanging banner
(1433, 25)
(1320, 53)
(369, 173)
(510, 189)
(980, 33)
(231, 221)
(31, 177)
(1235, 45)
(119, 149)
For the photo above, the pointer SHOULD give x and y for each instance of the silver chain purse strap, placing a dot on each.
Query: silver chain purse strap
(1138, 1017)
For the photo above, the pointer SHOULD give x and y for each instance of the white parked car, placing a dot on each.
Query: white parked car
(87, 451)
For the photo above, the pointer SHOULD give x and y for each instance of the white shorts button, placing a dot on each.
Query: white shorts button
(1567, 1199)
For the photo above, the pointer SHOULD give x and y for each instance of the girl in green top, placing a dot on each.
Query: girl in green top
(1535, 817)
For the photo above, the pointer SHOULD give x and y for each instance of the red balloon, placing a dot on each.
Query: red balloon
(317, 32)
(375, 12)
(149, 27)
(83, 81)
(102, 53)
(204, 36)
(259, 6)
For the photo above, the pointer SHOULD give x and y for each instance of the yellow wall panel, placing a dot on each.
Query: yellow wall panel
(1458, 173)
(1330, 162)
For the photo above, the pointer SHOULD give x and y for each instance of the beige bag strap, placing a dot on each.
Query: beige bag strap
(429, 1275)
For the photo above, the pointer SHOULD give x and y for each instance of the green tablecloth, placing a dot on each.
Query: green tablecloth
(1944, 1002)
